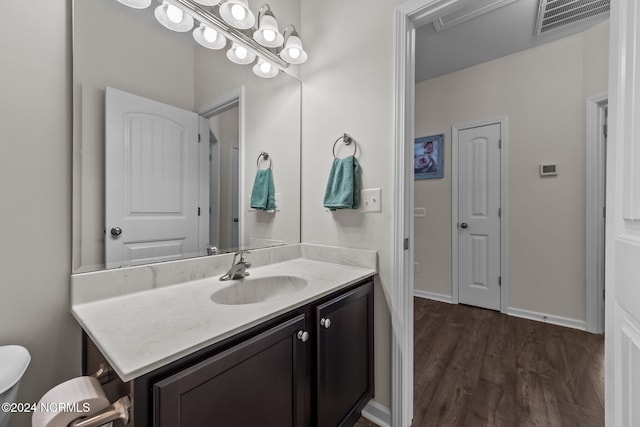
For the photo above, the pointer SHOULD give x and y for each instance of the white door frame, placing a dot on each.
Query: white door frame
(595, 222)
(455, 261)
(220, 105)
(408, 16)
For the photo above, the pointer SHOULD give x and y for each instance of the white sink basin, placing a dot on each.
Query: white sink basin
(259, 289)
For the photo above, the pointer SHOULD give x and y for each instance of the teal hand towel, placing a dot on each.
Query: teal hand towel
(263, 194)
(343, 187)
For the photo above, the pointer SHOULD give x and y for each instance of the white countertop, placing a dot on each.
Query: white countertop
(140, 332)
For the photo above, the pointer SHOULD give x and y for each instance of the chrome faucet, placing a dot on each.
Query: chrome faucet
(238, 269)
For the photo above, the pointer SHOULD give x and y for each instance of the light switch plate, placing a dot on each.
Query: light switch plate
(370, 200)
(419, 212)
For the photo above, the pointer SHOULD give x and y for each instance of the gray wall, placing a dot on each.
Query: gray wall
(348, 87)
(35, 189)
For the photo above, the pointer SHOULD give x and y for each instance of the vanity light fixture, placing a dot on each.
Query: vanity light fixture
(265, 69)
(240, 54)
(136, 4)
(173, 17)
(209, 38)
(208, 2)
(237, 14)
(292, 52)
(222, 20)
(267, 33)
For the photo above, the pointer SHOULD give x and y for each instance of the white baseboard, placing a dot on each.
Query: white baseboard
(547, 318)
(434, 296)
(378, 414)
(516, 312)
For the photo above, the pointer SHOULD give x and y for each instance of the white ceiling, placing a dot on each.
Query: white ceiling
(501, 32)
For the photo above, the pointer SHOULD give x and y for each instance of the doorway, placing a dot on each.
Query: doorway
(224, 176)
(409, 17)
(222, 120)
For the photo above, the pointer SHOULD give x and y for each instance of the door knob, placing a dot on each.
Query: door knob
(464, 225)
(116, 231)
(303, 336)
(235, 220)
(325, 322)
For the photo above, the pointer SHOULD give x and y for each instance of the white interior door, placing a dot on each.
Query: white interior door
(214, 190)
(235, 199)
(151, 181)
(622, 254)
(478, 216)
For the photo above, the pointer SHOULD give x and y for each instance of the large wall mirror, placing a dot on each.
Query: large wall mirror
(167, 140)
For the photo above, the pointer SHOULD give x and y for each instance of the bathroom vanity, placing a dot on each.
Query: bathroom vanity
(303, 357)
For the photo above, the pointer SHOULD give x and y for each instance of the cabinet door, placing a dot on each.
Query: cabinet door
(344, 359)
(260, 382)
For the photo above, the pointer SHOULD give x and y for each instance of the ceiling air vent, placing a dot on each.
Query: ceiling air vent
(555, 14)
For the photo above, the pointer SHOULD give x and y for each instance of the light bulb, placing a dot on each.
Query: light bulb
(210, 34)
(265, 67)
(294, 53)
(238, 12)
(269, 35)
(241, 52)
(174, 14)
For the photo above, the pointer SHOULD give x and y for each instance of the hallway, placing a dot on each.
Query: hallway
(476, 367)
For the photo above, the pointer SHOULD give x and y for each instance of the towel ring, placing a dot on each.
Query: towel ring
(347, 140)
(265, 156)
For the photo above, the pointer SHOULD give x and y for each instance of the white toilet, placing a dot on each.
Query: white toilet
(14, 360)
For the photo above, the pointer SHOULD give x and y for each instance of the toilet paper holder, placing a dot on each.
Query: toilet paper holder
(119, 410)
(102, 374)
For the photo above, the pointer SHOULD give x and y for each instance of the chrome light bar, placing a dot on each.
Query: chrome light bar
(205, 16)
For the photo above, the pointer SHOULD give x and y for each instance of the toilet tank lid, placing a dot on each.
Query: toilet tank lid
(14, 360)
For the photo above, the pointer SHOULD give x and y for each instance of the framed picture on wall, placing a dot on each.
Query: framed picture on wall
(428, 157)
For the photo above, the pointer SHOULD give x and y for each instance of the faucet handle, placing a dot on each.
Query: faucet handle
(240, 254)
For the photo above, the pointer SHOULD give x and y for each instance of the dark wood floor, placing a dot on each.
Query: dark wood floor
(476, 367)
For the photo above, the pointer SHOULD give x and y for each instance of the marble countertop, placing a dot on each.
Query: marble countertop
(140, 332)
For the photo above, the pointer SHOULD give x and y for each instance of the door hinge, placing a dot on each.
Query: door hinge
(199, 137)
(198, 210)
(210, 158)
(499, 280)
(500, 144)
(603, 294)
(499, 212)
(406, 244)
(604, 130)
(604, 212)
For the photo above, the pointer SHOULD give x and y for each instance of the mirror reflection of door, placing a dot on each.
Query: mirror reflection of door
(172, 181)
(225, 175)
(151, 181)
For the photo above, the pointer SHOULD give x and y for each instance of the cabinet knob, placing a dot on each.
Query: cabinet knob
(303, 336)
(325, 322)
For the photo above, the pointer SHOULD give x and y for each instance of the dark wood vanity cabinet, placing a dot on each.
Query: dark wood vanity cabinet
(310, 367)
(344, 362)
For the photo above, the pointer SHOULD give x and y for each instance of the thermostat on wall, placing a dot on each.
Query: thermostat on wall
(548, 170)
